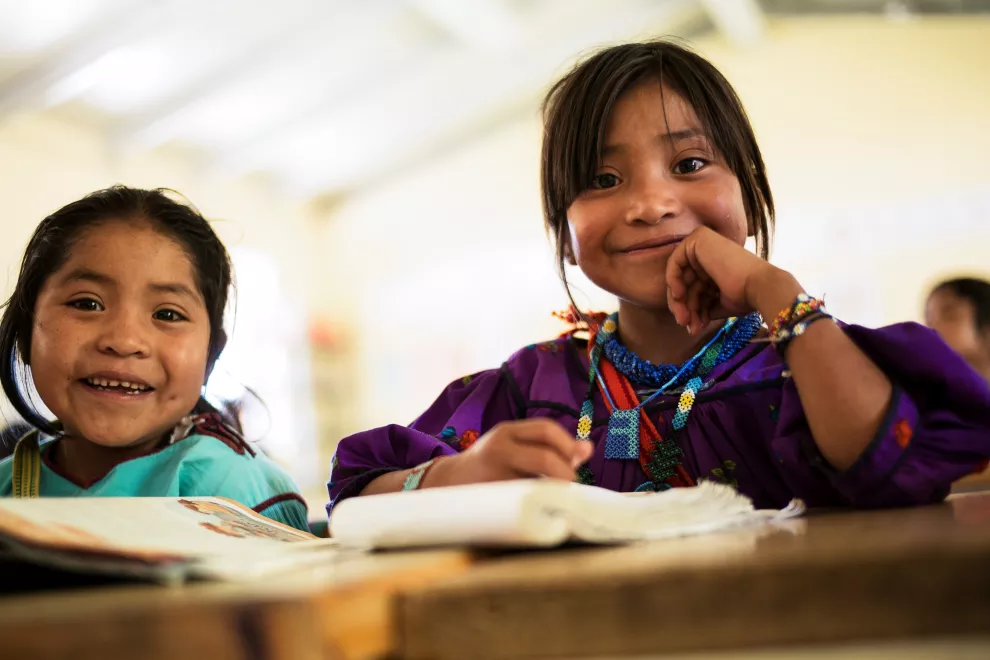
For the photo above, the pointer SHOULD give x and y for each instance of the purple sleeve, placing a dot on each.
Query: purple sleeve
(466, 409)
(936, 430)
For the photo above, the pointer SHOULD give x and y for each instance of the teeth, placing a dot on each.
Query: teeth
(103, 382)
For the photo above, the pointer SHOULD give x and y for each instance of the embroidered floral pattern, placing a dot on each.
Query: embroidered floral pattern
(552, 347)
(903, 433)
(467, 380)
(724, 474)
(449, 435)
(459, 442)
(468, 438)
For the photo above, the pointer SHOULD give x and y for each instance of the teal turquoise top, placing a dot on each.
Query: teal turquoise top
(200, 464)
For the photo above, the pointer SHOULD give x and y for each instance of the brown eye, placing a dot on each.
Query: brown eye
(169, 315)
(689, 165)
(86, 305)
(604, 181)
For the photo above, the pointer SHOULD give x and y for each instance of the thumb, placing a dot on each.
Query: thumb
(583, 451)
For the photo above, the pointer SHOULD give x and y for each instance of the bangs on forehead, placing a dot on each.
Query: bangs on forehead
(690, 91)
(577, 109)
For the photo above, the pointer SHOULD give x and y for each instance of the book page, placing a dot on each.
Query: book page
(482, 514)
(540, 513)
(147, 528)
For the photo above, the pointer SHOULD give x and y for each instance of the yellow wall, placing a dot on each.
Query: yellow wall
(874, 132)
(45, 163)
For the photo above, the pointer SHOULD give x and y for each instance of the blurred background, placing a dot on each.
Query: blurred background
(373, 167)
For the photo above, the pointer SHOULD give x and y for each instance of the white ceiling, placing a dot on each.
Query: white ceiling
(324, 95)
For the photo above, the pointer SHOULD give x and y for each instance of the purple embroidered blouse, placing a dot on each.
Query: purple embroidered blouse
(747, 429)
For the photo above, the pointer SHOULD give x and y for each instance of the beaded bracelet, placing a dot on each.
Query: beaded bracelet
(415, 476)
(785, 336)
(803, 307)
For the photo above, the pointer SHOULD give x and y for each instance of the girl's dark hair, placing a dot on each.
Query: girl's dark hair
(48, 250)
(974, 290)
(576, 112)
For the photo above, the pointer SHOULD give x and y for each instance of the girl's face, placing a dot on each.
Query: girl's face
(121, 335)
(954, 319)
(659, 180)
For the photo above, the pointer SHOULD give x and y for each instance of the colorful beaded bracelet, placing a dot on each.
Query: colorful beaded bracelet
(803, 307)
(415, 476)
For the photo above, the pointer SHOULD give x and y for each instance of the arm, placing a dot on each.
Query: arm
(478, 423)
(379, 460)
(890, 416)
(845, 395)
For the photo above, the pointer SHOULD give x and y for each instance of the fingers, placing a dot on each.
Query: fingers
(696, 299)
(539, 461)
(546, 433)
(529, 448)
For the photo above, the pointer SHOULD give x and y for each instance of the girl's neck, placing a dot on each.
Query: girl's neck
(87, 462)
(655, 336)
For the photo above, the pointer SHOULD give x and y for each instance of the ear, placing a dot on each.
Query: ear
(215, 351)
(566, 245)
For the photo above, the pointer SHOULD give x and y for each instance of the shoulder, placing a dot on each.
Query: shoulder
(7, 469)
(563, 352)
(200, 448)
(521, 367)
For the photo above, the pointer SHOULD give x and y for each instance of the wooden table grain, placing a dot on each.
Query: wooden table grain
(830, 581)
(831, 578)
(338, 611)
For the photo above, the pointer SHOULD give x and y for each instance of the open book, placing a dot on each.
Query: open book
(160, 539)
(540, 513)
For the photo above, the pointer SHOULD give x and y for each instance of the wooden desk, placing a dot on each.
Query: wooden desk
(835, 579)
(337, 611)
(831, 578)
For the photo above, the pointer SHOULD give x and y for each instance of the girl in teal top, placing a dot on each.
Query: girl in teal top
(117, 320)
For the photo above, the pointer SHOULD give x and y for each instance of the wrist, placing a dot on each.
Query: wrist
(771, 291)
(436, 475)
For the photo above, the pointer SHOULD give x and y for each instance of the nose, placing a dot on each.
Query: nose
(125, 334)
(652, 200)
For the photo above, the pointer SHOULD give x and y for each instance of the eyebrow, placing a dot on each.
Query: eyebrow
(673, 136)
(87, 275)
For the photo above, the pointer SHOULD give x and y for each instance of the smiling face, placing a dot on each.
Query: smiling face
(120, 336)
(660, 178)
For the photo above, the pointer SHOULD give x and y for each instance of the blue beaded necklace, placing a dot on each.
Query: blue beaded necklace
(644, 373)
(622, 440)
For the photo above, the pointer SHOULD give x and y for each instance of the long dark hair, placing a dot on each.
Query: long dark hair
(576, 112)
(48, 250)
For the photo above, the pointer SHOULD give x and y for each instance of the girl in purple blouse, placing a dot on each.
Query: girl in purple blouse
(652, 181)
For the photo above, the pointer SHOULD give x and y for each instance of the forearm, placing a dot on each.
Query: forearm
(390, 482)
(845, 395)
(393, 482)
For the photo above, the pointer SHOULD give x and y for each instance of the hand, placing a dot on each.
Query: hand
(711, 277)
(515, 450)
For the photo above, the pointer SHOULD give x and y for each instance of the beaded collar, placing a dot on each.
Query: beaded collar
(644, 373)
(626, 437)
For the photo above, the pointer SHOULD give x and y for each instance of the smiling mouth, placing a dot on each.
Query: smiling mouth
(654, 245)
(119, 386)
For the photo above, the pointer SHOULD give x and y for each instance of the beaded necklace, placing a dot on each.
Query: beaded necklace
(631, 434)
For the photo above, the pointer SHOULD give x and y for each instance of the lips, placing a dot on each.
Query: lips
(652, 244)
(117, 382)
